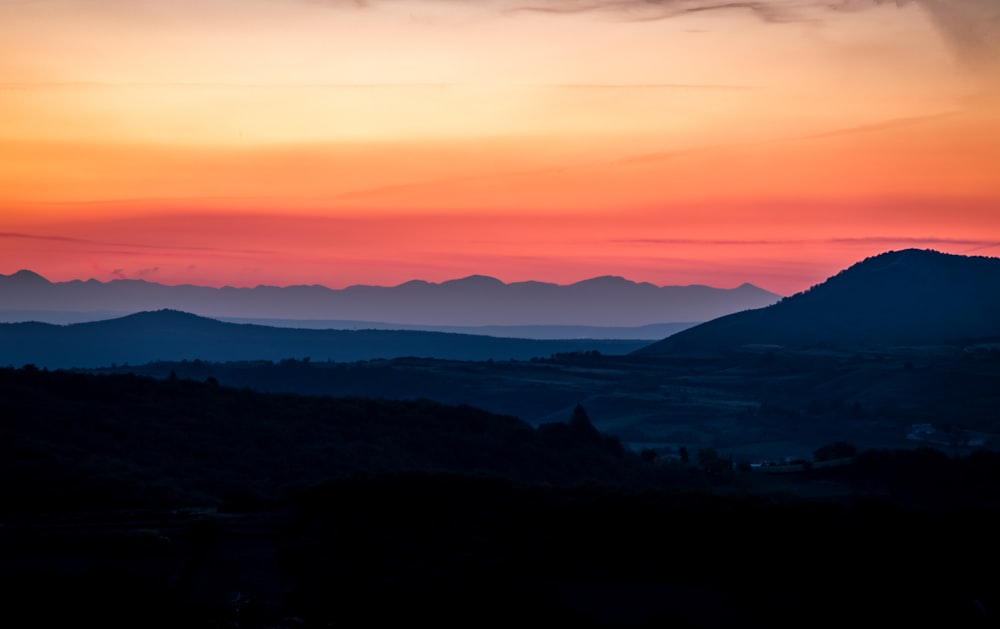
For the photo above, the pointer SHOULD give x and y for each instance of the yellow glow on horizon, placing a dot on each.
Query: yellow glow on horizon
(441, 119)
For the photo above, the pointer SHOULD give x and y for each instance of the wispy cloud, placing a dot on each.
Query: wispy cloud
(702, 241)
(648, 10)
(971, 27)
(278, 85)
(654, 86)
(216, 85)
(883, 125)
(123, 248)
(882, 241)
(124, 274)
(969, 245)
(20, 236)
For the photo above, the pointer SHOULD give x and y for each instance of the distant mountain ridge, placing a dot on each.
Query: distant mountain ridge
(651, 332)
(908, 297)
(172, 335)
(471, 301)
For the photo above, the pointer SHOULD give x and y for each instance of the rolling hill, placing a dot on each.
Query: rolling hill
(174, 335)
(909, 297)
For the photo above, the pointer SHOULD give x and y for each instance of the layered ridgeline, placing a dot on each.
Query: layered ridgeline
(472, 301)
(910, 297)
(172, 335)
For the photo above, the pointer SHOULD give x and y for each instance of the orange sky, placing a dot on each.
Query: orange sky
(302, 141)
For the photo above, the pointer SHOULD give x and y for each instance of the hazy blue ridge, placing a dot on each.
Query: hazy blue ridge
(606, 302)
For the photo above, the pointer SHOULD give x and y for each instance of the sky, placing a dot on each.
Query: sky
(246, 142)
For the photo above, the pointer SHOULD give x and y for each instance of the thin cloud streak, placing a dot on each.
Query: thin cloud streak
(874, 240)
(652, 10)
(42, 85)
(653, 86)
(884, 125)
(137, 248)
(892, 123)
(89, 85)
(20, 236)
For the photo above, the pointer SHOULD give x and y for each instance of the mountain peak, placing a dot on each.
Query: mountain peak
(605, 280)
(914, 266)
(474, 280)
(24, 276)
(908, 256)
(409, 284)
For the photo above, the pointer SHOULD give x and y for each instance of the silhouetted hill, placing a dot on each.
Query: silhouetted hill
(472, 301)
(25, 278)
(651, 332)
(76, 441)
(910, 297)
(174, 335)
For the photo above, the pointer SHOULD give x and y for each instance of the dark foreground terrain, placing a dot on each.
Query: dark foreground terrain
(460, 551)
(757, 403)
(129, 501)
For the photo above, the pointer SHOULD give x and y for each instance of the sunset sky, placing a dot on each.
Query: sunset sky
(247, 142)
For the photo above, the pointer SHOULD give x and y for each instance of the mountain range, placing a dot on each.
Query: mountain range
(472, 301)
(908, 297)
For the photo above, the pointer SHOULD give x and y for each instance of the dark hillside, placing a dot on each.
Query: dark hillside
(76, 441)
(910, 297)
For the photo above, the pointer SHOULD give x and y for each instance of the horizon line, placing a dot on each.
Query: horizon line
(473, 276)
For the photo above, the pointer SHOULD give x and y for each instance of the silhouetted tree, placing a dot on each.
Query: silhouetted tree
(584, 432)
(580, 423)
